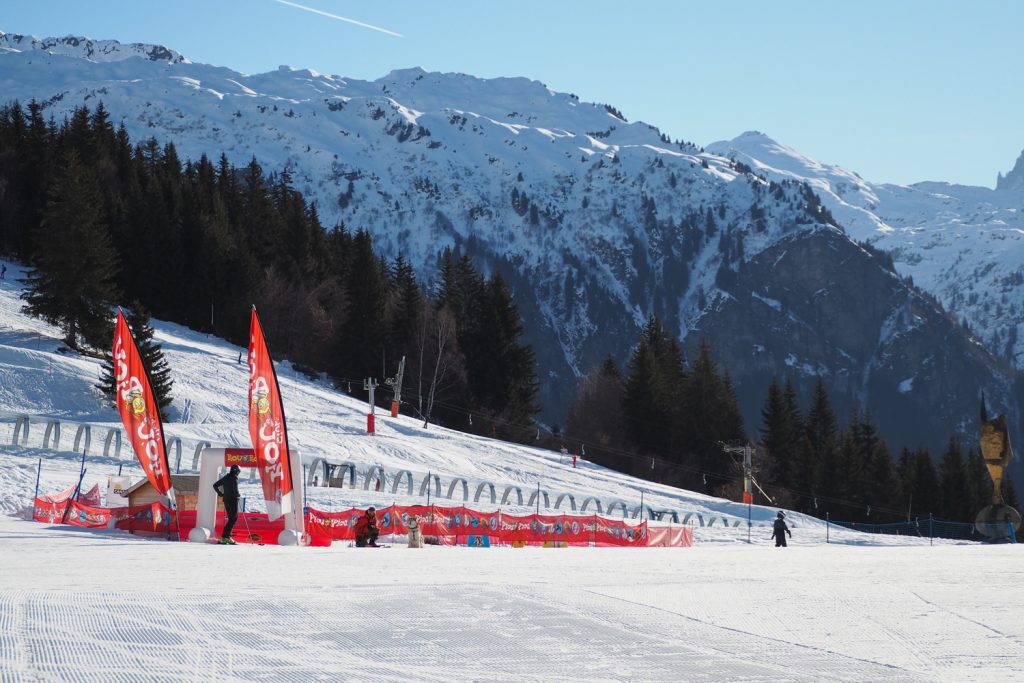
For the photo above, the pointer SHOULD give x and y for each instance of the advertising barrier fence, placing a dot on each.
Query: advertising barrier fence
(152, 518)
(440, 525)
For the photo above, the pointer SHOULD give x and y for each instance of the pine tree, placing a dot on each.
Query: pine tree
(822, 454)
(362, 337)
(152, 357)
(505, 379)
(919, 483)
(781, 434)
(979, 483)
(652, 391)
(709, 416)
(954, 493)
(72, 283)
(596, 417)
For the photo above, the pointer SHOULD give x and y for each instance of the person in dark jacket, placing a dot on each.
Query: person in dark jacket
(366, 529)
(227, 488)
(780, 530)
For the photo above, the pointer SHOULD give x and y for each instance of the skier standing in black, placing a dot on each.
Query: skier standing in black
(227, 488)
(780, 530)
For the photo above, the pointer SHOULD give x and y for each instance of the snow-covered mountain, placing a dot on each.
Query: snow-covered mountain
(962, 244)
(596, 223)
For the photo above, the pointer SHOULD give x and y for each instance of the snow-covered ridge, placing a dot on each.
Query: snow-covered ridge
(93, 50)
(962, 244)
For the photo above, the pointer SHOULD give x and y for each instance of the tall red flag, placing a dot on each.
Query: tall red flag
(267, 425)
(138, 407)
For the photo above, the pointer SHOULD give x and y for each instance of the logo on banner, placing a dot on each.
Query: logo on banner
(135, 402)
(260, 401)
(243, 457)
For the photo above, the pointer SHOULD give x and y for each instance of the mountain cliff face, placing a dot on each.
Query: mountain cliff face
(964, 245)
(1014, 180)
(595, 222)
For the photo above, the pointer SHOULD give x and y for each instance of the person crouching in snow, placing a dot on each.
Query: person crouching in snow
(366, 529)
(780, 530)
(227, 488)
(415, 533)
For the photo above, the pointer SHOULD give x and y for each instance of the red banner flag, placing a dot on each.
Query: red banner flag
(267, 426)
(138, 408)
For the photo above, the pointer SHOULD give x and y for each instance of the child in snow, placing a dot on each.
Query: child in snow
(366, 529)
(780, 530)
(227, 488)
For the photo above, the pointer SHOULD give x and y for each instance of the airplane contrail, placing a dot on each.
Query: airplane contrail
(335, 16)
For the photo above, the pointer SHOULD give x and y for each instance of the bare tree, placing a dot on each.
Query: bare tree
(442, 340)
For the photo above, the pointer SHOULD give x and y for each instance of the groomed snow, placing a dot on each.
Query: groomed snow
(87, 605)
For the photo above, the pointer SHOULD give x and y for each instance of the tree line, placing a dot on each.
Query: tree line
(102, 220)
(666, 419)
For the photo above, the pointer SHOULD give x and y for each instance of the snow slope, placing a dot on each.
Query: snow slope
(87, 605)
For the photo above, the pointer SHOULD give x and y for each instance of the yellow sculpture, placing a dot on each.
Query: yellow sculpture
(998, 521)
(996, 450)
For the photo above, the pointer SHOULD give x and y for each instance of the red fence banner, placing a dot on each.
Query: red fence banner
(670, 537)
(91, 497)
(440, 525)
(61, 497)
(154, 517)
(267, 426)
(458, 525)
(138, 407)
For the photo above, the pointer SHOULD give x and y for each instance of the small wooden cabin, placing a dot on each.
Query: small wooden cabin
(186, 490)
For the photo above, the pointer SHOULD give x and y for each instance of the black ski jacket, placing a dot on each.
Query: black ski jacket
(780, 528)
(227, 486)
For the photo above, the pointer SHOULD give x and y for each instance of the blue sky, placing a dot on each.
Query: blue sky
(897, 91)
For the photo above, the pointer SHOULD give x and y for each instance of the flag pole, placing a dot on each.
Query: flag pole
(39, 471)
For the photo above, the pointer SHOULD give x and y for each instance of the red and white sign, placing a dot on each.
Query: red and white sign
(267, 426)
(138, 408)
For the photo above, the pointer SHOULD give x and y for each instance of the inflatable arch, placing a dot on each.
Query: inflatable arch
(323, 471)
(465, 488)
(425, 486)
(21, 426)
(199, 449)
(509, 489)
(690, 515)
(543, 494)
(638, 512)
(174, 443)
(52, 431)
(398, 481)
(480, 490)
(368, 477)
(666, 511)
(211, 462)
(612, 504)
(113, 438)
(86, 431)
(591, 499)
(563, 496)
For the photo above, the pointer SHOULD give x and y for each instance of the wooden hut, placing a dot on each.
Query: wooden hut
(186, 490)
